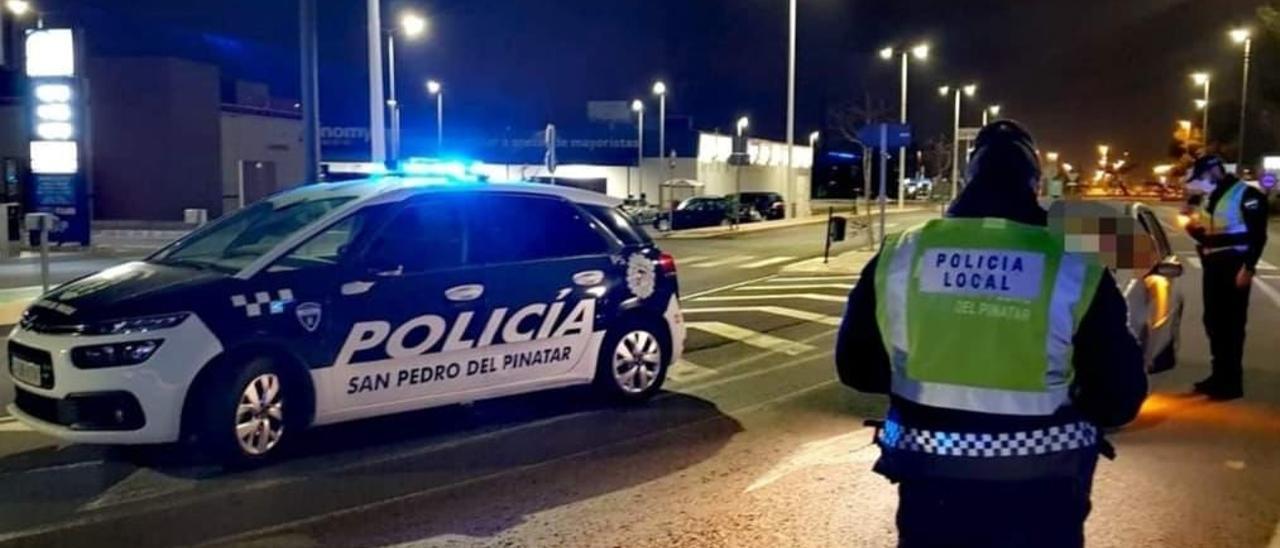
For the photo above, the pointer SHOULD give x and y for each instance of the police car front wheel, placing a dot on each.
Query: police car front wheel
(245, 412)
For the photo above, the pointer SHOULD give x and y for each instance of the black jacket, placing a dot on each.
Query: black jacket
(1253, 209)
(1110, 382)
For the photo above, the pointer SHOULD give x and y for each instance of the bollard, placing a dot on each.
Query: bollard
(42, 224)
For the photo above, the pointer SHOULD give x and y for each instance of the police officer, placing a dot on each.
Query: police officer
(1229, 226)
(1003, 356)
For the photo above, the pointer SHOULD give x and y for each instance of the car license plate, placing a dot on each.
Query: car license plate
(25, 371)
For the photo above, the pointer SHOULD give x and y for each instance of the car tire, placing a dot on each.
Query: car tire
(243, 418)
(634, 359)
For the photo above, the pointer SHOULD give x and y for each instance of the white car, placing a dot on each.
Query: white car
(1154, 296)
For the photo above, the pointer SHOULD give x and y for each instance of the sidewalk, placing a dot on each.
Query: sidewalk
(718, 231)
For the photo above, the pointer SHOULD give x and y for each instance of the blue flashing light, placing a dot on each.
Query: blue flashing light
(433, 167)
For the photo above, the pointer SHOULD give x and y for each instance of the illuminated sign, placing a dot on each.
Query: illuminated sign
(58, 184)
(51, 52)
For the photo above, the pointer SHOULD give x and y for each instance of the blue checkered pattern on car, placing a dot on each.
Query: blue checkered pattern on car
(1005, 444)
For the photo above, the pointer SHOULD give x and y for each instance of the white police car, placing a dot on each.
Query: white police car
(341, 301)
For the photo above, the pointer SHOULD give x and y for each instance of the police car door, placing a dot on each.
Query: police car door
(550, 270)
(409, 315)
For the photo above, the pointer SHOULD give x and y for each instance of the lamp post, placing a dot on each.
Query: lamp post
(742, 125)
(435, 88)
(1203, 79)
(660, 89)
(920, 52)
(637, 106)
(412, 25)
(969, 91)
(990, 112)
(791, 107)
(1243, 36)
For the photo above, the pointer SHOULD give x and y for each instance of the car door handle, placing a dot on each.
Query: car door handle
(356, 288)
(464, 293)
(588, 278)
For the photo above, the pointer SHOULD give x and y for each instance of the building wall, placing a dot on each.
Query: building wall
(259, 138)
(154, 123)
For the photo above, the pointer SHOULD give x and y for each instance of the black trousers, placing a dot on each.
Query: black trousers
(983, 513)
(1226, 313)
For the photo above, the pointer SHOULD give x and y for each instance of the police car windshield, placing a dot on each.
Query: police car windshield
(233, 243)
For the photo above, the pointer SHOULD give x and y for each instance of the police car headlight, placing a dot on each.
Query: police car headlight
(134, 325)
(114, 355)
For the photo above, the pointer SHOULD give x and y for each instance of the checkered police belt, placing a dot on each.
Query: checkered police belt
(1042, 441)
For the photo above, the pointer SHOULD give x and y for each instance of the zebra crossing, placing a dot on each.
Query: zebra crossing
(744, 262)
(786, 316)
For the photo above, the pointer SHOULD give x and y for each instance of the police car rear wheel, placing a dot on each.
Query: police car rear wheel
(633, 364)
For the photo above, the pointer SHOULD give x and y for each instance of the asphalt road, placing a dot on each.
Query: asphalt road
(752, 444)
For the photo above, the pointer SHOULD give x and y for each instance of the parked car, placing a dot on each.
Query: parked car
(341, 301)
(640, 210)
(703, 211)
(770, 205)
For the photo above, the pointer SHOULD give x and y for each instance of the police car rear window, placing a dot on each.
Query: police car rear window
(621, 224)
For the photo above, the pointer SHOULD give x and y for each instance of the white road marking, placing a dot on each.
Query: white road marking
(844, 450)
(796, 286)
(775, 310)
(1266, 289)
(802, 296)
(687, 371)
(142, 484)
(700, 294)
(682, 261)
(1264, 265)
(766, 262)
(724, 261)
(751, 338)
(1192, 259)
(790, 279)
(14, 426)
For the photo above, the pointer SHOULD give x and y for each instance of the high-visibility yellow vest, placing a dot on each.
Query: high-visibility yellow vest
(979, 314)
(1226, 218)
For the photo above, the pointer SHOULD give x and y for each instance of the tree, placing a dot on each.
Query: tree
(850, 116)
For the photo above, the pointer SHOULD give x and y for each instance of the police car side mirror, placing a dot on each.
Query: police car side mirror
(1169, 268)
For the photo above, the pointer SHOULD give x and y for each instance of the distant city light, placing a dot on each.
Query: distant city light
(637, 106)
(433, 87)
(1052, 157)
(886, 54)
(659, 88)
(994, 110)
(1240, 35)
(1201, 104)
(971, 89)
(944, 90)
(1199, 78)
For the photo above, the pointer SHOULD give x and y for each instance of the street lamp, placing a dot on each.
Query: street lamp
(1203, 79)
(1102, 153)
(743, 122)
(660, 89)
(920, 52)
(637, 106)
(434, 88)
(1244, 37)
(412, 26)
(990, 112)
(18, 7)
(791, 107)
(813, 139)
(968, 90)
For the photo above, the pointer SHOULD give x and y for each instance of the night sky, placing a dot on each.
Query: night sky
(1076, 72)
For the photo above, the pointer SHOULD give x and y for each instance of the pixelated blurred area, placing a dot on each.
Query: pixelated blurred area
(1113, 238)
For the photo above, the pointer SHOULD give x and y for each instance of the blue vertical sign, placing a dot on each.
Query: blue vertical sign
(58, 181)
